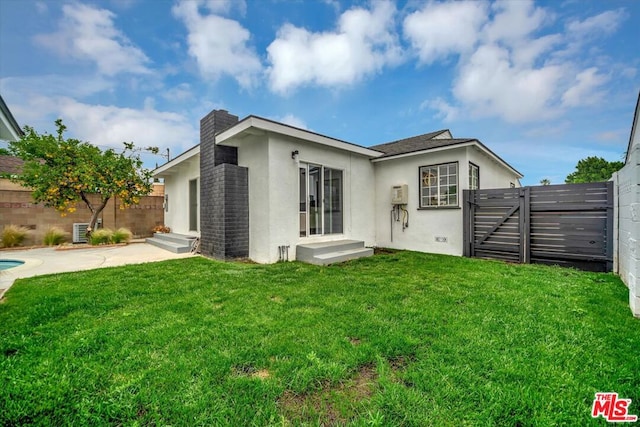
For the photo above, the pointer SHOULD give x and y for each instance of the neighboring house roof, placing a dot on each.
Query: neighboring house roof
(433, 141)
(9, 128)
(10, 165)
(634, 138)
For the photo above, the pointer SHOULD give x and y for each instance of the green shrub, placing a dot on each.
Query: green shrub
(121, 235)
(55, 236)
(13, 235)
(101, 236)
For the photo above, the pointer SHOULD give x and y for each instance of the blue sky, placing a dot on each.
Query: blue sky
(543, 84)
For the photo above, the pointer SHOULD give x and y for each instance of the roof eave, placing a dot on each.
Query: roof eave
(162, 170)
(9, 121)
(255, 122)
(473, 142)
(634, 126)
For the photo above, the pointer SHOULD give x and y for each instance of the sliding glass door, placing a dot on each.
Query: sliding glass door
(321, 200)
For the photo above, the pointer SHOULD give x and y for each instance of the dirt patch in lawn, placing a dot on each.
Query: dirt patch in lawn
(355, 341)
(384, 251)
(251, 372)
(333, 404)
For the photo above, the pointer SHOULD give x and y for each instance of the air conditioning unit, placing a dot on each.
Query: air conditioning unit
(80, 232)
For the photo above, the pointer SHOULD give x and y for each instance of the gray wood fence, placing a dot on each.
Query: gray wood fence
(569, 225)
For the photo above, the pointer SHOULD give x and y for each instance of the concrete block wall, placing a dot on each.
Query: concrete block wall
(18, 208)
(628, 192)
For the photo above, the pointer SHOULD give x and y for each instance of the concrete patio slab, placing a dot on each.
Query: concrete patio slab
(48, 260)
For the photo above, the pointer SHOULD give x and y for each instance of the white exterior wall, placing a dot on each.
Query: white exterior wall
(176, 188)
(628, 216)
(492, 174)
(425, 225)
(274, 193)
(254, 154)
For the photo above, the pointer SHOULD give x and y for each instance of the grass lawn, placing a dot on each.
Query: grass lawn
(397, 339)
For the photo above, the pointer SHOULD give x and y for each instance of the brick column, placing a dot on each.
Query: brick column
(224, 201)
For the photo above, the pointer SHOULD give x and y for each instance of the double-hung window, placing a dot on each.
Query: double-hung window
(439, 185)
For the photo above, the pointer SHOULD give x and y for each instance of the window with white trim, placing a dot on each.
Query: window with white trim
(439, 185)
(474, 176)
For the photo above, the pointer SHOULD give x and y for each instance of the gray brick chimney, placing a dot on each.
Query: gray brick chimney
(224, 192)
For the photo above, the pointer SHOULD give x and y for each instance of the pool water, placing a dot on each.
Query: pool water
(6, 264)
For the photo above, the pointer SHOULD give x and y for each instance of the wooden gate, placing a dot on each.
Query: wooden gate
(570, 225)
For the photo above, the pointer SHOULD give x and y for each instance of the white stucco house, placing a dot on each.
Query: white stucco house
(269, 191)
(627, 201)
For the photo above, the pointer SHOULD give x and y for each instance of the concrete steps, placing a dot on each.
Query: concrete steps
(325, 253)
(172, 242)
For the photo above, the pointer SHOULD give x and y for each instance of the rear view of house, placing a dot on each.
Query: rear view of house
(269, 191)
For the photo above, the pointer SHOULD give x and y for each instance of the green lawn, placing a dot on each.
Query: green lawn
(397, 339)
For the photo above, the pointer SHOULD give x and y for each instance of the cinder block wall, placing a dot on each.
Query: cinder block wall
(628, 180)
(18, 208)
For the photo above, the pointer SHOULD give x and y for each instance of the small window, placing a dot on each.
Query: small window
(439, 185)
(474, 176)
(166, 202)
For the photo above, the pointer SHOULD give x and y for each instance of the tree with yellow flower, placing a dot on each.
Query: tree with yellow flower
(64, 171)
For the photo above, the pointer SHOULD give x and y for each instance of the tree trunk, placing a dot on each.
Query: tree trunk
(95, 211)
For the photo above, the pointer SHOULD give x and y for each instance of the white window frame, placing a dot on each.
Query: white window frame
(474, 185)
(429, 180)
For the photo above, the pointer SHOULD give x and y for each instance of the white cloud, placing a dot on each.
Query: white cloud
(445, 111)
(76, 86)
(103, 125)
(292, 120)
(179, 93)
(585, 90)
(363, 43)
(514, 21)
(33, 97)
(490, 85)
(612, 137)
(88, 33)
(604, 23)
(225, 6)
(507, 67)
(108, 125)
(441, 29)
(219, 45)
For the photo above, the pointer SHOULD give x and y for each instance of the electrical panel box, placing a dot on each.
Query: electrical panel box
(399, 194)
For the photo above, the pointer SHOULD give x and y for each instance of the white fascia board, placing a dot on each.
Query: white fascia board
(7, 132)
(279, 128)
(451, 147)
(166, 168)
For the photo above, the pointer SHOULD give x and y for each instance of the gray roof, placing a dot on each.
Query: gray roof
(429, 141)
(418, 143)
